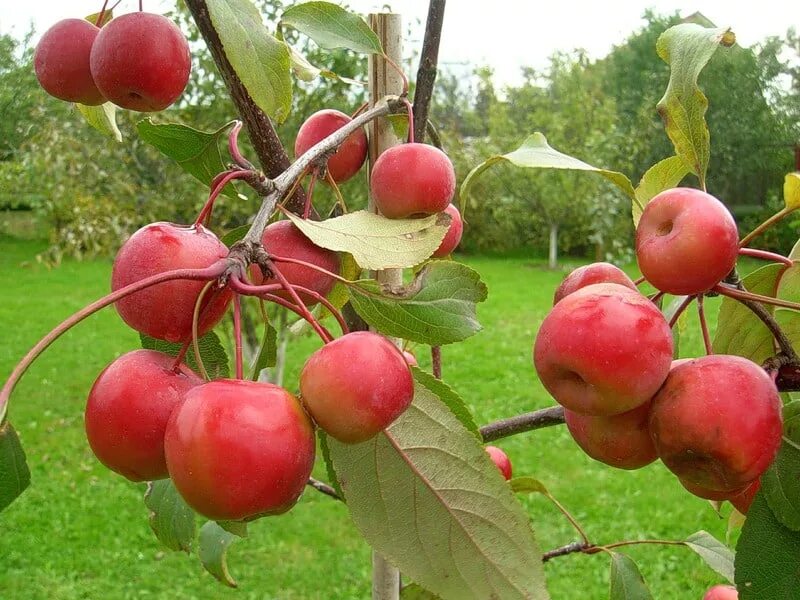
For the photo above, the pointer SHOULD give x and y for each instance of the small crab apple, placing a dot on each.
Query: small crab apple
(453, 235)
(140, 61)
(500, 459)
(622, 441)
(347, 160)
(599, 272)
(128, 410)
(165, 310)
(61, 62)
(686, 241)
(356, 385)
(603, 350)
(410, 180)
(283, 239)
(716, 422)
(721, 592)
(239, 449)
(708, 494)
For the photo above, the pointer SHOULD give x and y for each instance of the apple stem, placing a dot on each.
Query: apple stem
(195, 331)
(233, 148)
(336, 191)
(312, 320)
(410, 110)
(176, 366)
(679, 311)
(208, 274)
(359, 110)
(655, 298)
(297, 261)
(217, 185)
(400, 72)
(102, 14)
(237, 335)
(704, 325)
(765, 225)
(639, 281)
(737, 294)
(311, 183)
(766, 255)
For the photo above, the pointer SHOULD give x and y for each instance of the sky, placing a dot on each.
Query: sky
(514, 34)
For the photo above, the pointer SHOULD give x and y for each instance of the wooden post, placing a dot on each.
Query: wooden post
(383, 80)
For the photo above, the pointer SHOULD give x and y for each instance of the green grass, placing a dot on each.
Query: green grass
(80, 531)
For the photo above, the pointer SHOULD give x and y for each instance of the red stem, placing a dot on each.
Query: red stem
(737, 294)
(102, 14)
(233, 148)
(704, 325)
(217, 185)
(359, 110)
(410, 110)
(640, 281)
(397, 68)
(237, 335)
(307, 207)
(297, 261)
(176, 366)
(312, 320)
(766, 255)
(207, 274)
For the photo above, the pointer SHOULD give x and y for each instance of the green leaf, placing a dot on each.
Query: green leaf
(212, 352)
(536, 153)
(789, 289)
(663, 175)
(260, 60)
(268, 352)
(15, 476)
(686, 48)
(780, 485)
(767, 555)
(375, 241)
(171, 519)
(326, 456)
(234, 235)
(438, 307)
(196, 152)
(529, 485)
(791, 191)
(791, 421)
(627, 582)
(716, 554)
(425, 495)
(213, 549)
(237, 528)
(305, 71)
(107, 16)
(447, 395)
(331, 27)
(103, 118)
(413, 591)
(739, 331)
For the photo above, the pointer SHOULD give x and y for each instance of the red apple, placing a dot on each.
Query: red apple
(283, 239)
(141, 61)
(603, 350)
(622, 441)
(500, 459)
(707, 494)
(686, 241)
(744, 499)
(453, 235)
(165, 310)
(411, 180)
(239, 449)
(355, 386)
(716, 422)
(599, 272)
(61, 62)
(128, 409)
(722, 592)
(347, 160)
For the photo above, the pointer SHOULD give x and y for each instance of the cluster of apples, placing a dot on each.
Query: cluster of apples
(139, 61)
(605, 352)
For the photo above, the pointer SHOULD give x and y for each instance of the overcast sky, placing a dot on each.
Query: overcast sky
(516, 33)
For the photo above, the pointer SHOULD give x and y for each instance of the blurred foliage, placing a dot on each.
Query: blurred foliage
(93, 192)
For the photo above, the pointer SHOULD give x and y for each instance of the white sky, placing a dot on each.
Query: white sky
(515, 33)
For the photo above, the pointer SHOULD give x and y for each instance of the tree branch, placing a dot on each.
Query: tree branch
(567, 549)
(267, 144)
(323, 488)
(426, 73)
(538, 419)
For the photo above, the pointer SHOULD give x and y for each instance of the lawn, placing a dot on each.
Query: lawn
(80, 531)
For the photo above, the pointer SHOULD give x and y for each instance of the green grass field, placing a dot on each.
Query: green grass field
(80, 531)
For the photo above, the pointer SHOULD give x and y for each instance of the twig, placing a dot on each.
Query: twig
(436, 361)
(567, 549)
(538, 419)
(323, 487)
(701, 315)
(426, 73)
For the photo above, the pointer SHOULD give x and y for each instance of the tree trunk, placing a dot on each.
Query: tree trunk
(552, 260)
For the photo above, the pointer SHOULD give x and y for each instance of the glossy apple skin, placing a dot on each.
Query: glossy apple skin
(164, 311)
(239, 449)
(128, 409)
(686, 241)
(347, 160)
(622, 441)
(716, 422)
(355, 386)
(599, 272)
(708, 494)
(722, 592)
(282, 238)
(61, 62)
(744, 499)
(500, 459)
(603, 350)
(411, 180)
(140, 61)
(453, 236)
